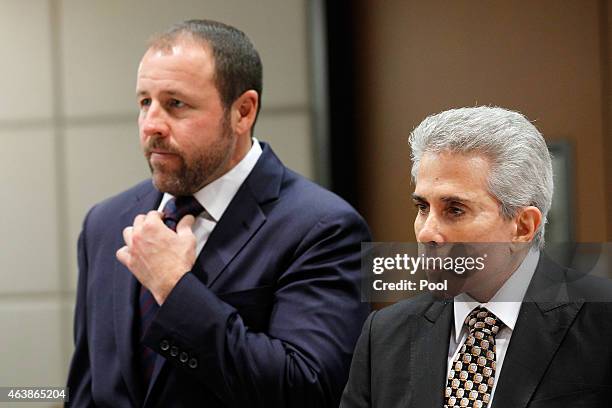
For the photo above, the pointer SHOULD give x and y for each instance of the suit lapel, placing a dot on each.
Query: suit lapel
(242, 218)
(428, 355)
(124, 299)
(240, 221)
(544, 319)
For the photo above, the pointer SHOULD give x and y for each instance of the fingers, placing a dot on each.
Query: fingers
(155, 214)
(152, 217)
(123, 255)
(151, 223)
(153, 220)
(139, 220)
(184, 225)
(128, 232)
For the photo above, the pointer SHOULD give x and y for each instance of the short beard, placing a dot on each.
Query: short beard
(203, 167)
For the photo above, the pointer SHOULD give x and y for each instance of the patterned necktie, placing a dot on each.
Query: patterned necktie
(174, 210)
(472, 374)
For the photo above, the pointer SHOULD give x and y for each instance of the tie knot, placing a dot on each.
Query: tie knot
(482, 320)
(178, 207)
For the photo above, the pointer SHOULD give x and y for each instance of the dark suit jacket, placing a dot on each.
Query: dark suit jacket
(560, 353)
(268, 316)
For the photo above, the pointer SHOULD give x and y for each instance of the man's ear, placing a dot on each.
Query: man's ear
(244, 111)
(528, 220)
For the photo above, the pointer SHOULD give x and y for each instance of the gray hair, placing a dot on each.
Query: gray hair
(521, 169)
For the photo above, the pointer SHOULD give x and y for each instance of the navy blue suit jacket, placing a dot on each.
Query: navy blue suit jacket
(268, 316)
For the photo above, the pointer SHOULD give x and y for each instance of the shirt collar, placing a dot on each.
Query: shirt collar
(216, 196)
(506, 303)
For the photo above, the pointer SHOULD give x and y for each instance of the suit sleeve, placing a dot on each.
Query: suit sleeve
(303, 358)
(79, 376)
(357, 393)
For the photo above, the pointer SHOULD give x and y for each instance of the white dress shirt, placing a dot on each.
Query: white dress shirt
(504, 304)
(216, 196)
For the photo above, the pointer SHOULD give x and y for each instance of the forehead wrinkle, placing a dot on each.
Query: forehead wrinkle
(446, 190)
(452, 198)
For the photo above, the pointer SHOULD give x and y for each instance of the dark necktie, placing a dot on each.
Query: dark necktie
(174, 210)
(472, 374)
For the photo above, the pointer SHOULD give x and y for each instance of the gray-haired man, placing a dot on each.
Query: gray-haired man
(484, 174)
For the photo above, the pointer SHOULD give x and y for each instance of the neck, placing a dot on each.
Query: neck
(242, 147)
(484, 291)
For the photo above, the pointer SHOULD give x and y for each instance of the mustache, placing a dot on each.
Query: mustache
(160, 145)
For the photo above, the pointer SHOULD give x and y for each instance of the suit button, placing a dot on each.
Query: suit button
(174, 351)
(193, 363)
(183, 357)
(164, 345)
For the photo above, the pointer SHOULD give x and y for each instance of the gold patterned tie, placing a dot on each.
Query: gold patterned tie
(472, 374)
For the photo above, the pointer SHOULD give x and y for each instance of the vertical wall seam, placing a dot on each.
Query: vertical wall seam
(58, 130)
(317, 76)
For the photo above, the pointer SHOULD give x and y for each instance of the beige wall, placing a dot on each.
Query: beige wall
(69, 139)
(543, 58)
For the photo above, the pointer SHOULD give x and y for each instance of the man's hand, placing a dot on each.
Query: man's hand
(157, 256)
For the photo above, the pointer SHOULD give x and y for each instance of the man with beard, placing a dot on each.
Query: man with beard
(521, 332)
(228, 280)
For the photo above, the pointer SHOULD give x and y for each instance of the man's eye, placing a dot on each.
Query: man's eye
(421, 208)
(145, 102)
(455, 211)
(175, 103)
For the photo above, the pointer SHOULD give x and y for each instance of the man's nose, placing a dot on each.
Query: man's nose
(153, 121)
(431, 231)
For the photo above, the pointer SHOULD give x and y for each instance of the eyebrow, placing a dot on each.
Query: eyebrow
(447, 199)
(417, 197)
(170, 92)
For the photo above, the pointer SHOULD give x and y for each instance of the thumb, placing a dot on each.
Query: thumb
(184, 225)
